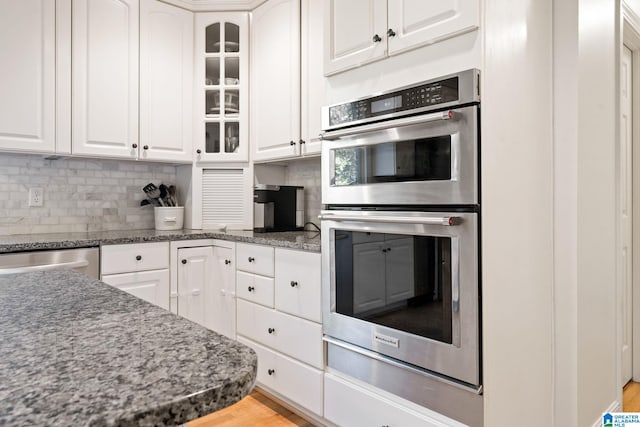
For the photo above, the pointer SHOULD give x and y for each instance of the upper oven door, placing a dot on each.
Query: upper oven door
(405, 285)
(429, 159)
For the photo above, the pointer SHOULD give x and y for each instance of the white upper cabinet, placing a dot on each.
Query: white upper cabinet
(27, 75)
(105, 78)
(363, 31)
(221, 87)
(166, 82)
(355, 31)
(275, 79)
(286, 38)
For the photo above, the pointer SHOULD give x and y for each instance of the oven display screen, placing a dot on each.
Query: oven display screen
(386, 104)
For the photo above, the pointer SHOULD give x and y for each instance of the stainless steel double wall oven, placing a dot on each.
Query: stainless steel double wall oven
(400, 242)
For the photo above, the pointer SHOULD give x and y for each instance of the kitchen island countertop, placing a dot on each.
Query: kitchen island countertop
(75, 351)
(304, 240)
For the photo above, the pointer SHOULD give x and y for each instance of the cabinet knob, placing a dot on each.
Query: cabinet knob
(199, 151)
(184, 261)
(271, 371)
(302, 142)
(292, 143)
(138, 257)
(294, 284)
(384, 250)
(251, 288)
(391, 33)
(376, 38)
(251, 259)
(134, 145)
(388, 249)
(271, 330)
(227, 261)
(146, 147)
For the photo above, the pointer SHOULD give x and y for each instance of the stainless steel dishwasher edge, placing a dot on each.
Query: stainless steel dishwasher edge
(84, 260)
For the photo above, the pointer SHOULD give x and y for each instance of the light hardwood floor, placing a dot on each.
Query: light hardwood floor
(631, 397)
(255, 410)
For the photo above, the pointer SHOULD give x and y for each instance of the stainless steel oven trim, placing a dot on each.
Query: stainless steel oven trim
(459, 360)
(461, 189)
(468, 89)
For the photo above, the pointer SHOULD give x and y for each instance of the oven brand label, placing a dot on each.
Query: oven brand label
(385, 339)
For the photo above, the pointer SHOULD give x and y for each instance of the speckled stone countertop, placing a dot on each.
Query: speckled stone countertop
(77, 352)
(304, 240)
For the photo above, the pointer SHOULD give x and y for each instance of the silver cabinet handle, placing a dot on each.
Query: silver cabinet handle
(443, 220)
(45, 267)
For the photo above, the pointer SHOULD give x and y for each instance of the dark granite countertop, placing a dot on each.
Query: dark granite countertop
(304, 240)
(77, 352)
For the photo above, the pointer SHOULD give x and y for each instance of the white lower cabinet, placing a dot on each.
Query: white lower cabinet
(297, 381)
(151, 286)
(141, 269)
(278, 314)
(348, 404)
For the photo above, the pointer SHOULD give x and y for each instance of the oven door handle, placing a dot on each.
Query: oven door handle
(433, 117)
(440, 220)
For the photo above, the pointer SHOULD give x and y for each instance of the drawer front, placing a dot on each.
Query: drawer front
(294, 380)
(134, 257)
(347, 404)
(298, 283)
(295, 337)
(254, 288)
(151, 286)
(255, 259)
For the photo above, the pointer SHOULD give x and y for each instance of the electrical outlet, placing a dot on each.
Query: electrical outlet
(36, 196)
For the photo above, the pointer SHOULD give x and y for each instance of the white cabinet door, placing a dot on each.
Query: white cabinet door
(27, 75)
(369, 276)
(275, 80)
(399, 269)
(355, 33)
(297, 381)
(105, 78)
(297, 283)
(312, 76)
(196, 299)
(166, 82)
(223, 303)
(151, 286)
(418, 22)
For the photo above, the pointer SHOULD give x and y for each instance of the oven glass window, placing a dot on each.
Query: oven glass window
(399, 281)
(427, 159)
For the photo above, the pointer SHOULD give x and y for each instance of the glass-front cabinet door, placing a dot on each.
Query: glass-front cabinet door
(221, 87)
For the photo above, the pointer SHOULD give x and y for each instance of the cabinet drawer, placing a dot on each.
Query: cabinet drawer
(296, 381)
(134, 257)
(151, 286)
(347, 404)
(297, 283)
(254, 288)
(295, 337)
(255, 259)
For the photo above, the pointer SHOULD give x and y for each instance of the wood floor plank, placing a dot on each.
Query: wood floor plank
(631, 397)
(254, 410)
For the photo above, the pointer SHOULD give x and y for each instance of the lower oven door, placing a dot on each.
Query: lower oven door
(405, 285)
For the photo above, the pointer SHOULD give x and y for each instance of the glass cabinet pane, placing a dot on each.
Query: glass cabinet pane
(212, 71)
(212, 137)
(212, 102)
(231, 71)
(232, 37)
(231, 101)
(232, 137)
(212, 38)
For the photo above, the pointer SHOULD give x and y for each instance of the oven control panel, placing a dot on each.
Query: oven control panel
(430, 95)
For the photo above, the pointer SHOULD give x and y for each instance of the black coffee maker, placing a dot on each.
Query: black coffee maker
(278, 208)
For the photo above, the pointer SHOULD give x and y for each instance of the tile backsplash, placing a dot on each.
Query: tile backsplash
(79, 194)
(306, 172)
